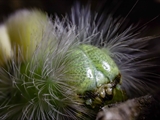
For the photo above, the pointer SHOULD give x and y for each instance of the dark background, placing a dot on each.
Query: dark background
(145, 9)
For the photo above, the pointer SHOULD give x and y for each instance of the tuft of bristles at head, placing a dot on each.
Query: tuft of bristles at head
(125, 45)
(37, 88)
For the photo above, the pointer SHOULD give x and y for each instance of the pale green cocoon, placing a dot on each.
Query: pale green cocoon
(25, 30)
(5, 45)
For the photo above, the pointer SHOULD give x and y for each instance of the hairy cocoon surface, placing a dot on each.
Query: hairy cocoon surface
(39, 82)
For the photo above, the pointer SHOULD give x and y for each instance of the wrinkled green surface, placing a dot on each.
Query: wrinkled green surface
(90, 68)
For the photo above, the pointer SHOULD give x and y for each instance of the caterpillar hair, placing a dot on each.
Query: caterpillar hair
(67, 69)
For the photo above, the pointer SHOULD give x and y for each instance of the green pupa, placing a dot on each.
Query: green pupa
(62, 70)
